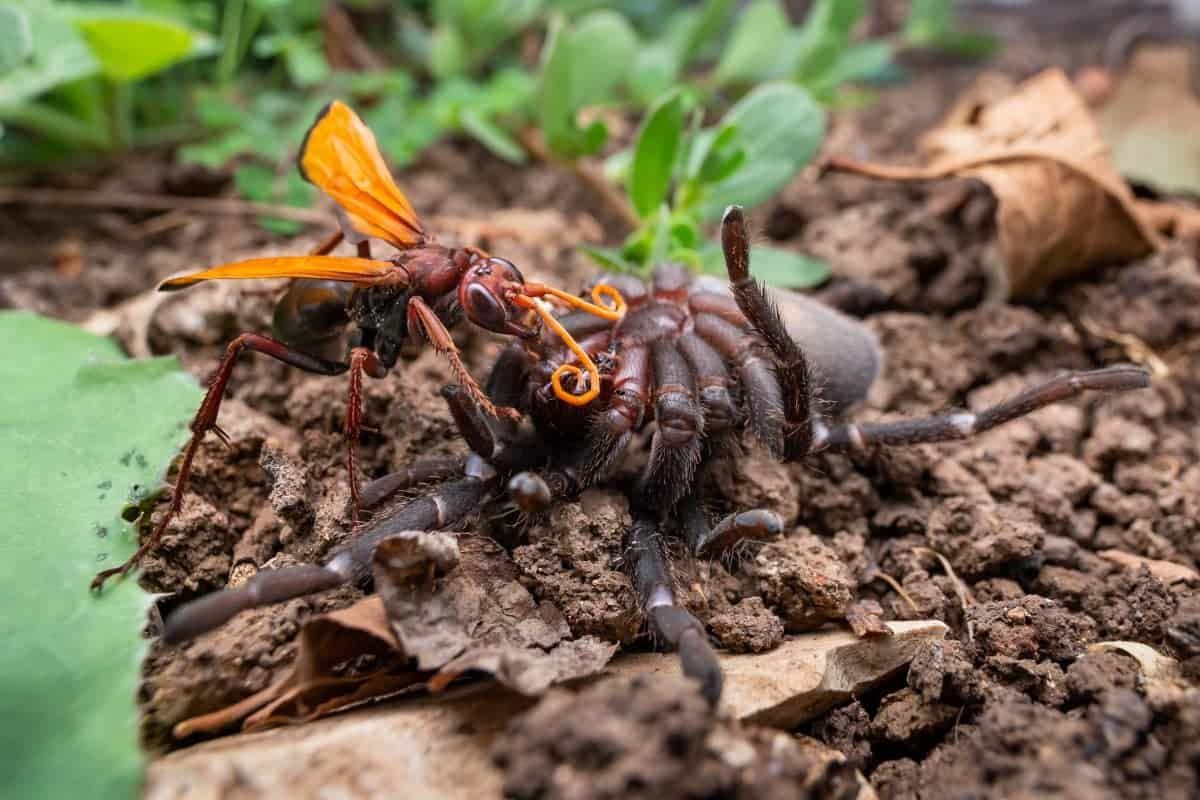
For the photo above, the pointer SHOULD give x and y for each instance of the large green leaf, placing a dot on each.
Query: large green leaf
(779, 127)
(131, 45)
(16, 37)
(84, 431)
(59, 54)
(754, 47)
(583, 64)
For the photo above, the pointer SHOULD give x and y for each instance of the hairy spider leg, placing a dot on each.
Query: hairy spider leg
(612, 429)
(415, 474)
(791, 367)
(677, 443)
(964, 424)
(667, 620)
(714, 541)
(764, 397)
(443, 506)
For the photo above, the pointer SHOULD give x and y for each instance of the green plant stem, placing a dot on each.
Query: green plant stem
(120, 114)
(231, 37)
(55, 124)
(167, 135)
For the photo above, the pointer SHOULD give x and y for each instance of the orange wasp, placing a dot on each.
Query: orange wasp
(418, 293)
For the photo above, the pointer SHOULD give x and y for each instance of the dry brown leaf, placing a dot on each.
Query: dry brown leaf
(440, 747)
(1062, 208)
(1151, 115)
(483, 619)
(312, 688)
(446, 606)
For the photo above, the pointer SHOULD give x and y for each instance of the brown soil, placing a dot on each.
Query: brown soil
(1010, 705)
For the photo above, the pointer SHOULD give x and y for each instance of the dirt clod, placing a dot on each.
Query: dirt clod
(652, 737)
(748, 627)
(802, 580)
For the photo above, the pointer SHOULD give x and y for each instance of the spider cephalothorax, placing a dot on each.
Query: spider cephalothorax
(691, 364)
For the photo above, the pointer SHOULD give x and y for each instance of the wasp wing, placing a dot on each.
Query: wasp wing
(361, 271)
(341, 157)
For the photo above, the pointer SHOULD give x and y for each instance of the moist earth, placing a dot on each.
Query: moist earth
(1000, 536)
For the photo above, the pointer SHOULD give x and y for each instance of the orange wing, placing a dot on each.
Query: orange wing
(340, 156)
(363, 271)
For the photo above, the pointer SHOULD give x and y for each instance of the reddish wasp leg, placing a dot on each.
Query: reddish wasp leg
(327, 244)
(422, 319)
(362, 360)
(206, 420)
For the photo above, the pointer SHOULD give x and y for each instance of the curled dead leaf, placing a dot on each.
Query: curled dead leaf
(1062, 207)
(447, 605)
(1151, 114)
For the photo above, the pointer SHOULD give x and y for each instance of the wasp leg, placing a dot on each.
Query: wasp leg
(206, 420)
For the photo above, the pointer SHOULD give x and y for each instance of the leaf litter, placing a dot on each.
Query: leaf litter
(1062, 207)
(447, 606)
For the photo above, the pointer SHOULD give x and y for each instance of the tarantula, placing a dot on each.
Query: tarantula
(703, 363)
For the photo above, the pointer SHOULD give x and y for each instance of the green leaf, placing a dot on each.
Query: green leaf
(492, 136)
(654, 155)
(60, 55)
(753, 48)
(785, 269)
(926, 19)
(86, 431)
(822, 39)
(447, 52)
(930, 24)
(16, 37)
(705, 25)
(583, 64)
(256, 182)
(483, 25)
(602, 47)
(780, 128)
(306, 64)
(967, 44)
(130, 45)
(655, 68)
(610, 258)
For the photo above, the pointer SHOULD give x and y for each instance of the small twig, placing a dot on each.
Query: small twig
(896, 587)
(587, 173)
(960, 588)
(226, 206)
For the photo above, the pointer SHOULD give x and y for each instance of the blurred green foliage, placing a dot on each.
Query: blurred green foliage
(95, 432)
(234, 85)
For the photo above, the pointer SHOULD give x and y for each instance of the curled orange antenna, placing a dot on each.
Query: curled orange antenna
(607, 301)
(608, 304)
